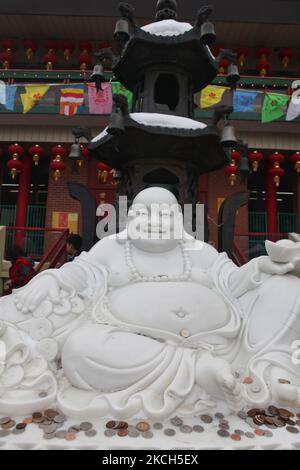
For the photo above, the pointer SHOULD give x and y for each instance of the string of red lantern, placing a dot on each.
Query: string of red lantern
(57, 165)
(50, 57)
(295, 159)
(276, 171)
(84, 59)
(232, 169)
(14, 164)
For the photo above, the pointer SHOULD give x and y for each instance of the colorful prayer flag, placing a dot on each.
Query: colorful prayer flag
(118, 88)
(72, 96)
(101, 102)
(294, 107)
(273, 107)
(32, 96)
(2, 92)
(10, 93)
(211, 95)
(243, 101)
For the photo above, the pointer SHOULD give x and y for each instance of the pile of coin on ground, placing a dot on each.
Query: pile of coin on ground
(262, 423)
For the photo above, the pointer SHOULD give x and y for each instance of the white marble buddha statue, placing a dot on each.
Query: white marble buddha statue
(153, 322)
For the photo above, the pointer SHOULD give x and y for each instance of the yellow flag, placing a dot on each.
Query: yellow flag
(32, 96)
(211, 95)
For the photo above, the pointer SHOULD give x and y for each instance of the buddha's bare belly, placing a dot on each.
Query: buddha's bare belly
(177, 307)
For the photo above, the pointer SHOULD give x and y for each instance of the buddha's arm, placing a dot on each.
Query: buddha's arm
(254, 273)
(244, 278)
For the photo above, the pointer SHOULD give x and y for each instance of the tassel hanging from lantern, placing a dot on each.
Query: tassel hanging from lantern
(30, 48)
(285, 54)
(242, 54)
(68, 48)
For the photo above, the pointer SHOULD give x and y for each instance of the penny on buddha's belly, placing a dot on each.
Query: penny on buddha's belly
(177, 307)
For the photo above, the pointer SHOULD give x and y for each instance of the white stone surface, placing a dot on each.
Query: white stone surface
(167, 28)
(161, 120)
(153, 323)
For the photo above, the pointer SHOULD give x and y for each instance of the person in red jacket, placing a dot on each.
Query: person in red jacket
(21, 270)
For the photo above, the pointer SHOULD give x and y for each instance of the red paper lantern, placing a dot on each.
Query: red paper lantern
(255, 158)
(68, 48)
(295, 158)
(242, 53)
(8, 44)
(36, 152)
(285, 54)
(103, 171)
(235, 156)
(263, 67)
(57, 165)
(276, 158)
(51, 45)
(30, 48)
(223, 66)
(277, 172)
(6, 58)
(85, 46)
(15, 151)
(15, 166)
(84, 60)
(263, 53)
(50, 60)
(231, 171)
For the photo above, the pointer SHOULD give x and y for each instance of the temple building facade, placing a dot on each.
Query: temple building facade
(47, 60)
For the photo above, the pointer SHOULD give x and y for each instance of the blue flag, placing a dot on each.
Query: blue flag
(10, 93)
(243, 101)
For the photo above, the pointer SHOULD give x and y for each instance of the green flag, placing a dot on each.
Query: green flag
(273, 107)
(118, 88)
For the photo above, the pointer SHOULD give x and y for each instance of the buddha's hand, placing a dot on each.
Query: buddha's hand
(266, 265)
(30, 296)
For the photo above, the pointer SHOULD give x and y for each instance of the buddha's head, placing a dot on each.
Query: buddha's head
(155, 221)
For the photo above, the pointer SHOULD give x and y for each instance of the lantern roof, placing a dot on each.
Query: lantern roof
(166, 41)
(179, 138)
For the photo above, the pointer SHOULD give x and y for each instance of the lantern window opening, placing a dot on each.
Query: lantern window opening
(161, 176)
(166, 91)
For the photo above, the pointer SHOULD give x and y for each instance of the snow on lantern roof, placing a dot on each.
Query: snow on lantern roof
(167, 28)
(166, 120)
(159, 120)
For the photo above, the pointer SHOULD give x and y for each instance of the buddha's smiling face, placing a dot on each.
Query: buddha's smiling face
(155, 220)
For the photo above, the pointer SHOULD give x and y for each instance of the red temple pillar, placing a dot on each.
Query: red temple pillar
(271, 201)
(23, 199)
